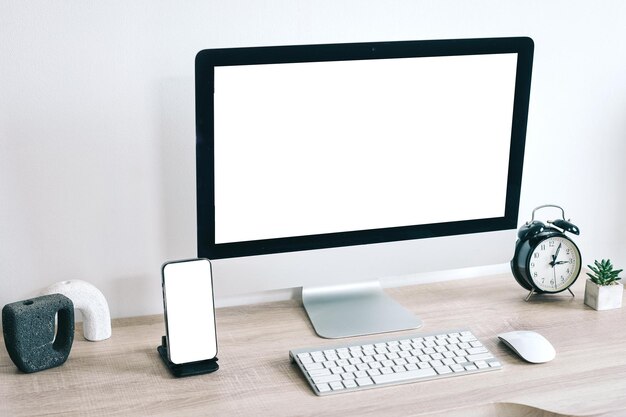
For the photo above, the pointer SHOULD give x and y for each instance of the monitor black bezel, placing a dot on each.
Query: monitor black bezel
(207, 60)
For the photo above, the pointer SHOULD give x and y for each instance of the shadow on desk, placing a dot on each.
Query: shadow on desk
(504, 410)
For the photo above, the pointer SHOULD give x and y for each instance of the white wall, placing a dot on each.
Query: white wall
(97, 121)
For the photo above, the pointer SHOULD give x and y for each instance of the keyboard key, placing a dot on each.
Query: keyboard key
(481, 364)
(313, 366)
(364, 381)
(307, 360)
(323, 387)
(319, 372)
(475, 350)
(443, 370)
(336, 386)
(344, 355)
(350, 384)
(325, 379)
(457, 368)
(403, 376)
(479, 357)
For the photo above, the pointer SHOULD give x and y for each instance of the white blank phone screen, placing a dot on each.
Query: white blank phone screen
(190, 316)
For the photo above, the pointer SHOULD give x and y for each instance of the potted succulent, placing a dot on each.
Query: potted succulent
(603, 291)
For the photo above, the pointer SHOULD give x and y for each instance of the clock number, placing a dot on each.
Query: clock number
(543, 246)
(535, 274)
(536, 255)
(551, 243)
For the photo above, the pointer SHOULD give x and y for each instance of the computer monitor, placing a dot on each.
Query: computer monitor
(329, 167)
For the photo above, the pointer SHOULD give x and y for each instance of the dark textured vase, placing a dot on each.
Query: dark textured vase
(29, 335)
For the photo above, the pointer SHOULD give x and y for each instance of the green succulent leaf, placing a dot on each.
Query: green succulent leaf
(603, 273)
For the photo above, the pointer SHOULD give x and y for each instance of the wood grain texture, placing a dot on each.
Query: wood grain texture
(124, 375)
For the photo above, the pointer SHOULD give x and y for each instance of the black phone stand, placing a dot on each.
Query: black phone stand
(189, 368)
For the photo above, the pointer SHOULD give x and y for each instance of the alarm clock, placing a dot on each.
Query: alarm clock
(546, 260)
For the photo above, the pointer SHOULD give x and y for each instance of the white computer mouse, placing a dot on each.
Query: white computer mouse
(530, 346)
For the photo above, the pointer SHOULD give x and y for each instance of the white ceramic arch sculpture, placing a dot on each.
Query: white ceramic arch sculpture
(91, 303)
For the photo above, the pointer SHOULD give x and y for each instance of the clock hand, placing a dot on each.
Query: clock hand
(556, 255)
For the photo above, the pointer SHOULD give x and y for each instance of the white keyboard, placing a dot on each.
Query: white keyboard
(331, 370)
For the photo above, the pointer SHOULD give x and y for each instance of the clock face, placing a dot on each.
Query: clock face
(554, 264)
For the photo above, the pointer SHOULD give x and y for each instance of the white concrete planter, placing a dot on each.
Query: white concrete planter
(603, 297)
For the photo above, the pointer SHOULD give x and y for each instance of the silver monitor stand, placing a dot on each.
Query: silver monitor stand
(355, 310)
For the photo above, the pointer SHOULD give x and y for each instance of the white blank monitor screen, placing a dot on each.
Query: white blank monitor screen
(323, 147)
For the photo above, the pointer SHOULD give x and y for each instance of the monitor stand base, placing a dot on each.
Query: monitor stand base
(355, 310)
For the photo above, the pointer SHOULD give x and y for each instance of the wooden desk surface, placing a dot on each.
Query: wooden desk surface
(124, 375)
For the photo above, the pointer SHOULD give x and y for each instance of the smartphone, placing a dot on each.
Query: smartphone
(189, 310)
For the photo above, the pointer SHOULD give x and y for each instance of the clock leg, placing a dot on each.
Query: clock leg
(570, 291)
(530, 294)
